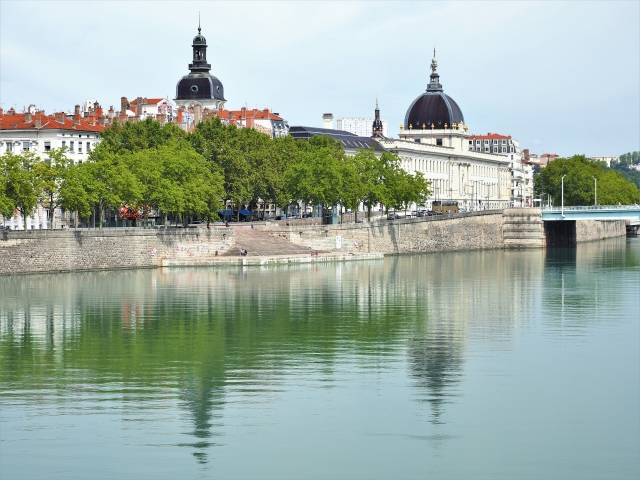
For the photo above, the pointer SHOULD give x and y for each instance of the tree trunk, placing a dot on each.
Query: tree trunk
(100, 216)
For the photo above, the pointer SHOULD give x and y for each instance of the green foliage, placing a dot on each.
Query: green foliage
(579, 183)
(52, 175)
(21, 185)
(136, 136)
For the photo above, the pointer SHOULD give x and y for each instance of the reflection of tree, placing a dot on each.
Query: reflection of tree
(436, 361)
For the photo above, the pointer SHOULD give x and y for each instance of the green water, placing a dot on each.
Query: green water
(487, 365)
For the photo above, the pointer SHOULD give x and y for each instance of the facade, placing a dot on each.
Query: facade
(34, 131)
(545, 158)
(264, 120)
(361, 126)
(199, 89)
(144, 107)
(434, 141)
(495, 143)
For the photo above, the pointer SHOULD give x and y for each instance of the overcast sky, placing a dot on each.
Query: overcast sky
(559, 77)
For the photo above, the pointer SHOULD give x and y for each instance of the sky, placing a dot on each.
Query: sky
(560, 77)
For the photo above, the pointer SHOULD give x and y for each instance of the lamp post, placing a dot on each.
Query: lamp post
(563, 194)
(595, 202)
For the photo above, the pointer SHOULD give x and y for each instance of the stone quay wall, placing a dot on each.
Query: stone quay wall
(36, 251)
(589, 230)
(470, 231)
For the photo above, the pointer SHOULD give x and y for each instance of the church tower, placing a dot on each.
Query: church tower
(199, 87)
(377, 128)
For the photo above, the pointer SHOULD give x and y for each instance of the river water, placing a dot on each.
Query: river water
(483, 365)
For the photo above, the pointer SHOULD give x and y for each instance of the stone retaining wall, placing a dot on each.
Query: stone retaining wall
(68, 250)
(589, 230)
(471, 231)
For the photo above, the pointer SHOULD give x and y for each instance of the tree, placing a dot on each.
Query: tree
(21, 185)
(579, 184)
(52, 174)
(136, 136)
(108, 182)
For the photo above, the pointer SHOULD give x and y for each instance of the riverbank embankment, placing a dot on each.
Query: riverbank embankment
(38, 251)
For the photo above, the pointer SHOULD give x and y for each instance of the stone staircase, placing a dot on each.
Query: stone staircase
(260, 243)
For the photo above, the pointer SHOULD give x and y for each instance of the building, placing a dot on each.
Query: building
(495, 143)
(361, 126)
(144, 107)
(434, 140)
(264, 120)
(351, 142)
(199, 89)
(606, 160)
(545, 158)
(34, 131)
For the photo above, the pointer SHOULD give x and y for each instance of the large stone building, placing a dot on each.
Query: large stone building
(35, 132)
(434, 140)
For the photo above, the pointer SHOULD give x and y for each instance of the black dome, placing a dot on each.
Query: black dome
(433, 108)
(200, 86)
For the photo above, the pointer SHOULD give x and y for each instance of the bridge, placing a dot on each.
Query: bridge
(629, 213)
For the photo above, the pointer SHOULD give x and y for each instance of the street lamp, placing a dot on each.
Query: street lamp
(596, 191)
(563, 194)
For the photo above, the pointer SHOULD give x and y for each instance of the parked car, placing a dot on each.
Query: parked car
(431, 213)
(393, 216)
(422, 214)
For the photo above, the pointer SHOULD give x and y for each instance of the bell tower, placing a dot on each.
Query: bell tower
(199, 64)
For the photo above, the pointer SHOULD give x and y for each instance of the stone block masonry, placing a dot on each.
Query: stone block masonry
(68, 250)
(471, 231)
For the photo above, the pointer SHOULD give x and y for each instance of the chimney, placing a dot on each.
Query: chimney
(59, 116)
(327, 121)
(27, 117)
(180, 110)
(77, 110)
(124, 105)
(99, 111)
(11, 111)
(162, 118)
(101, 120)
(139, 106)
(86, 114)
(111, 112)
(39, 121)
(92, 118)
(197, 113)
(1, 111)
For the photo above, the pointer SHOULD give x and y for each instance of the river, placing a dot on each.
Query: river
(477, 365)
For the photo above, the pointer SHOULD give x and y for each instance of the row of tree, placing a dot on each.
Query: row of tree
(147, 167)
(580, 183)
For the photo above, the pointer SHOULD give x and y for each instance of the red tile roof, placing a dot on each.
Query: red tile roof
(16, 121)
(245, 113)
(489, 136)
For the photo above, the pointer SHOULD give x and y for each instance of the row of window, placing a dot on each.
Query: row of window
(26, 146)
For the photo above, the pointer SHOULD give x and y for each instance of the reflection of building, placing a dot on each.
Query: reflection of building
(434, 141)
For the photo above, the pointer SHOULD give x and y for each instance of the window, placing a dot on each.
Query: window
(25, 146)
(439, 141)
(495, 142)
(486, 142)
(88, 147)
(417, 140)
(79, 147)
(10, 146)
(64, 144)
(71, 146)
(47, 146)
(504, 142)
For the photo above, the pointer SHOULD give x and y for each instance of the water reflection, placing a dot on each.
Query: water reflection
(211, 338)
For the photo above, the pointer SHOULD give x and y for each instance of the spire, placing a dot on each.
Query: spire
(434, 84)
(377, 128)
(434, 50)
(199, 63)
